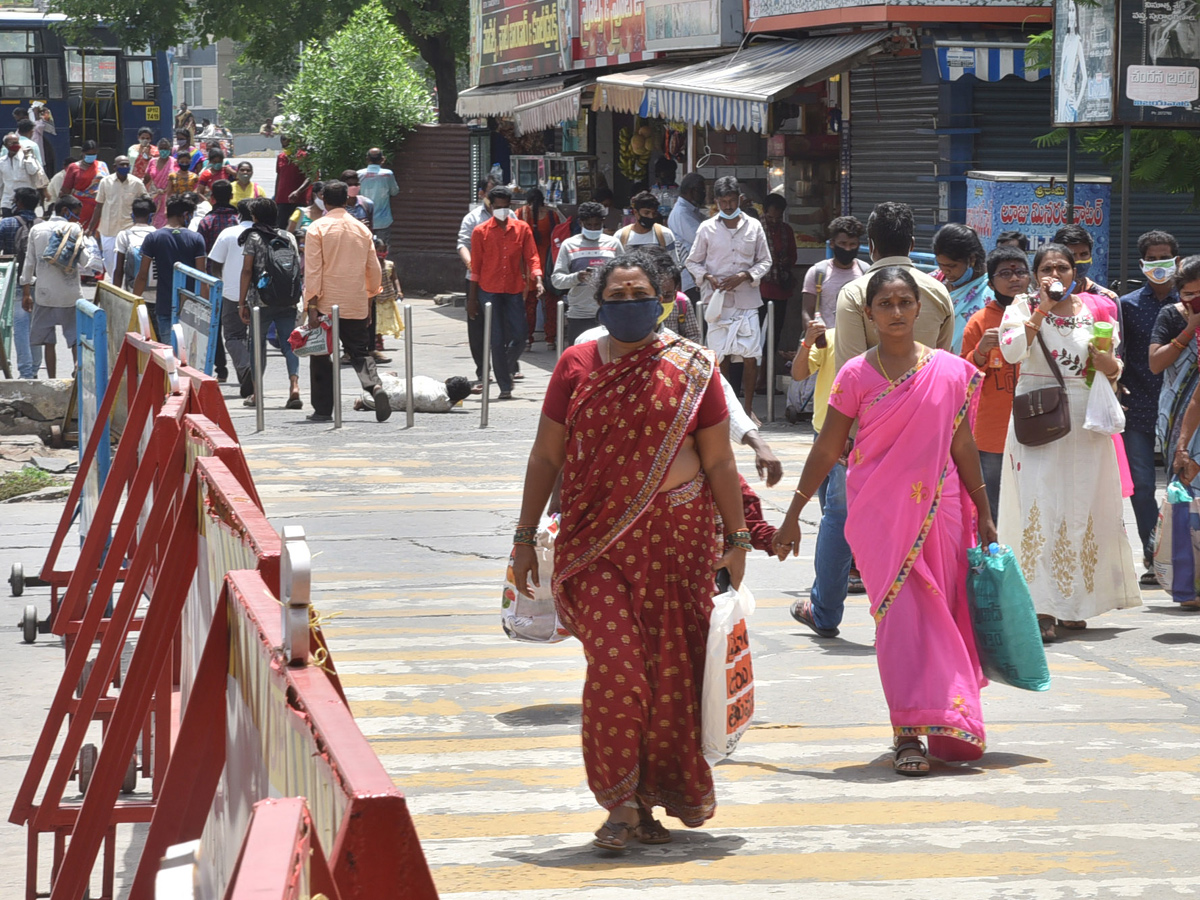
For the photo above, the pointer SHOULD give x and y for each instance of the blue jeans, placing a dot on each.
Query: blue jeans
(992, 465)
(29, 359)
(1139, 447)
(284, 318)
(508, 334)
(163, 323)
(833, 557)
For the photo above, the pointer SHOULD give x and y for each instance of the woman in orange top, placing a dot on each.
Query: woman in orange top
(543, 220)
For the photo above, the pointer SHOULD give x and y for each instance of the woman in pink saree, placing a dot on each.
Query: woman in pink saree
(913, 488)
(158, 181)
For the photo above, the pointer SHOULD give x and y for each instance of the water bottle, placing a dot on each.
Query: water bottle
(1102, 334)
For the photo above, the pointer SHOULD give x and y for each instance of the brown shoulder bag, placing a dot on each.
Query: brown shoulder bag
(1043, 416)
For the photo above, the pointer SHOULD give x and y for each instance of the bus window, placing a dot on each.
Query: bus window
(16, 77)
(18, 42)
(141, 79)
(90, 68)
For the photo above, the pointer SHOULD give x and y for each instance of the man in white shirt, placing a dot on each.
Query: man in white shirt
(645, 230)
(53, 306)
(686, 216)
(731, 255)
(25, 136)
(226, 252)
(114, 206)
(578, 259)
(18, 168)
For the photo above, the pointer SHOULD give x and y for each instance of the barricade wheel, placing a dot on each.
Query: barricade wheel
(16, 579)
(83, 678)
(29, 624)
(131, 775)
(87, 765)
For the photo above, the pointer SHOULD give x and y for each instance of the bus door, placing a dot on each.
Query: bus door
(92, 87)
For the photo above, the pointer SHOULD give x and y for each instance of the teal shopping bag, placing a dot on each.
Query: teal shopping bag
(1006, 627)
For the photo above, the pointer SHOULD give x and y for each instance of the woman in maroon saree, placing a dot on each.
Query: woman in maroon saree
(637, 425)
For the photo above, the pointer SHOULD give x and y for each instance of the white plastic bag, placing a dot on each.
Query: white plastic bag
(714, 307)
(534, 619)
(1104, 413)
(727, 695)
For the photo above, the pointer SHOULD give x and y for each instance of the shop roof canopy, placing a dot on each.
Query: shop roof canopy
(734, 91)
(625, 92)
(549, 111)
(502, 99)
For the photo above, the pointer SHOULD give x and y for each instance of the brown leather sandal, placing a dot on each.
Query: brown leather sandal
(613, 836)
(649, 830)
(914, 765)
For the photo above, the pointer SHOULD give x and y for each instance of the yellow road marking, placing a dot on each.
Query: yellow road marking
(1144, 763)
(532, 675)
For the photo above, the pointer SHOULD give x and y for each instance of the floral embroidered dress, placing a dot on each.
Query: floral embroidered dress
(1060, 504)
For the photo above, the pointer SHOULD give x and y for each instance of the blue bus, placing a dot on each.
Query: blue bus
(102, 93)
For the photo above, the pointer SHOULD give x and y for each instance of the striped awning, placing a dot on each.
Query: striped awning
(735, 91)
(988, 56)
(625, 92)
(503, 99)
(550, 111)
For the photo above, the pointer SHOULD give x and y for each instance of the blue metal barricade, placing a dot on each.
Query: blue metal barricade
(91, 381)
(198, 317)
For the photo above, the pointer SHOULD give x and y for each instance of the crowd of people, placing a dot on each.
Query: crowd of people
(175, 202)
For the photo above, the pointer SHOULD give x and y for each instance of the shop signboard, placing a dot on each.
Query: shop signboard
(611, 28)
(1036, 205)
(1160, 63)
(516, 39)
(684, 24)
(1085, 54)
(759, 9)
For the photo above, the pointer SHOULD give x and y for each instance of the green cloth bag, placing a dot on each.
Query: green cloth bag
(1006, 627)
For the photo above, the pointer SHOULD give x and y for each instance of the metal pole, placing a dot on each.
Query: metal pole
(562, 325)
(255, 333)
(408, 365)
(487, 363)
(770, 360)
(700, 318)
(1070, 176)
(336, 358)
(1126, 152)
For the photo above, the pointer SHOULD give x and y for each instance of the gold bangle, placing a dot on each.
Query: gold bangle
(801, 493)
(1181, 347)
(979, 488)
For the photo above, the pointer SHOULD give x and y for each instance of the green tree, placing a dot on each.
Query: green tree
(272, 35)
(357, 90)
(256, 93)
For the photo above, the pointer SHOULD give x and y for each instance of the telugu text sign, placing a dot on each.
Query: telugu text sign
(1160, 63)
(611, 27)
(518, 39)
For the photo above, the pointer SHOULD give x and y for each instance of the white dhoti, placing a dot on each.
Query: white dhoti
(737, 333)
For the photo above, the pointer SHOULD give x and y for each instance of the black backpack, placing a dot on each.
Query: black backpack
(279, 283)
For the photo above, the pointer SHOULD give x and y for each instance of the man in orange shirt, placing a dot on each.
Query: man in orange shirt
(504, 256)
(1008, 275)
(340, 267)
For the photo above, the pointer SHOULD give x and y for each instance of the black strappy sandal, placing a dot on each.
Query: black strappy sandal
(913, 766)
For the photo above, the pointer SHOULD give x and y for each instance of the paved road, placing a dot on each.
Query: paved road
(1087, 791)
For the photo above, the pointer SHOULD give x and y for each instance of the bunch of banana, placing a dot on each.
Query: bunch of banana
(633, 153)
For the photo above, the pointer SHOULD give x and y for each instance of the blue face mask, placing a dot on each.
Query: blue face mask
(89, 158)
(374, 168)
(966, 276)
(122, 170)
(631, 320)
(725, 215)
(1082, 269)
(590, 234)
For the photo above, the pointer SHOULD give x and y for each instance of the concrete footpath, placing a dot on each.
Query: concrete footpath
(1087, 791)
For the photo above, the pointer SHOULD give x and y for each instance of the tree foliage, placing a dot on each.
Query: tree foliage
(1163, 159)
(271, 34)
(358, 89)
(256, 93)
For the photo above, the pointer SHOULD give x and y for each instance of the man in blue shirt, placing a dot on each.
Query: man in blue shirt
(686, 216)
(379, 186)
(1159, 254)
(167, 246)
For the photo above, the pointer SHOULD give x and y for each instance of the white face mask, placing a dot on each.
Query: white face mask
(320, 203)
(592, 235)
(501, 213)
(1158, 271)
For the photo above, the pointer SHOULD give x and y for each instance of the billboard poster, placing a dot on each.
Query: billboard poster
(611, 27)
(1036, 206)
(1160, 63)
(683, 24)
(519, 39)
(1085, 51)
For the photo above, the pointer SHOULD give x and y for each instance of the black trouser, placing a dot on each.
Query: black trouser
(371, 337)
(285, 213)
(354, 333)
(237, 334)
(220, 364)
(780, 316)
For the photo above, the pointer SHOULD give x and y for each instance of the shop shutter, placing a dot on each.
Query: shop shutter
(893, 151)
(1012, 112)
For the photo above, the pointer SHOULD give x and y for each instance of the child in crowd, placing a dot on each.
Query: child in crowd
(387, 314)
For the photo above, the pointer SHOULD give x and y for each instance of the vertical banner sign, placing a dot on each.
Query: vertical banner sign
(1036, 206)
(518, 39)
(1085, 53)
(1160, 63)
(611, 27)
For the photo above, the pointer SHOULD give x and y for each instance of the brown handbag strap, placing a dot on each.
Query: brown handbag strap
(1053, 362)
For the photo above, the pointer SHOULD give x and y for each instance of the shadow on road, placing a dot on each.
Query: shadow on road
(536, 716)
(1174, 637)
(686, 847)
(1088, 635)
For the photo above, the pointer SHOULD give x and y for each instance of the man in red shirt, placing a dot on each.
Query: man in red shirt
(1008, 275)
(503, 256)
(290, 181)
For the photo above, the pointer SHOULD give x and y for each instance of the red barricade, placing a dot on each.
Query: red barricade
(281, 857)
